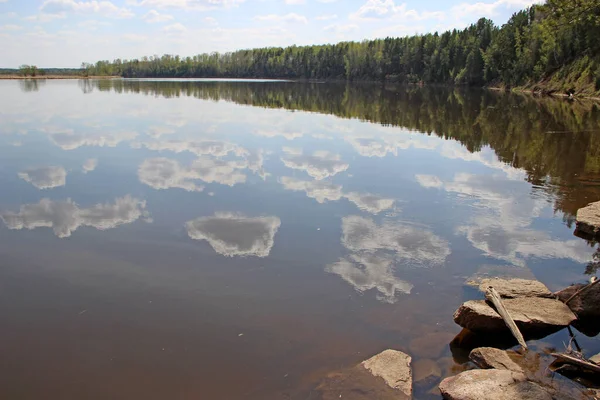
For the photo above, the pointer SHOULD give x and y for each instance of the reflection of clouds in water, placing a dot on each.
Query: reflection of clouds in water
(236, 235)
(413, 244)
(45, 177)
(158, 131)
(325, 191)
(368, 271)
(89, 165)
(389, 141)
(64, 217)
(376, 248)
(289, 135)
(217, 148)
(163, 173)
(487, 157)
(319, 165)
(501, 226)
(69, 140)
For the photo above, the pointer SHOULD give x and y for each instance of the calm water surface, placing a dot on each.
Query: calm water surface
(236, 240)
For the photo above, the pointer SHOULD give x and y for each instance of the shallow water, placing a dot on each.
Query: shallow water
(229, 240)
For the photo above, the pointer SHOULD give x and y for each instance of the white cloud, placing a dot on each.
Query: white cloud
(134, 37)
(65, 217)
(326, 17)
(153, 17)
(10, 27)
(45, 177)
(371, 203)
(429, 181)
(104, 7)
(163, 173)
(289, 135)
(236, 235)
(488, 10)
(215, 148)
(341, 28)
(319, 165)
(197, 5)
(210, 21)
(175, 28)
(89, 165)
(295, 2)
(291, 17)
(158, 131)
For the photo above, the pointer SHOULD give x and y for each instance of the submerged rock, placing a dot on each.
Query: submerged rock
(491, 358)
(426, 372)
(386, 376)
(430, 345)
(491, 384)
(394, 367)
(511, 288)
(588, 219)
(533, 315)
(488, 271)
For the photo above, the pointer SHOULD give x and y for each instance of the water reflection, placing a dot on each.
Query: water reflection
(89, 165)
(65, 217)
(69, 140)
(319, 165)
(232, 234)
(501, 225)
(326, 191)
(543, 137)
(45, 177)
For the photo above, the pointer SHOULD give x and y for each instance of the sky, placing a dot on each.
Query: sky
(65, 33)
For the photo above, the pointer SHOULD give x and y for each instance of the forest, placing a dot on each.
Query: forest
(555, 43)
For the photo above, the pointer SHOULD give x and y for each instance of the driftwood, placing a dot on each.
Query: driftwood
(580, 291)
(578, 362)
(492, 295)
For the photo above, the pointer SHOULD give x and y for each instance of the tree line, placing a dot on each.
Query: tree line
(533, 44)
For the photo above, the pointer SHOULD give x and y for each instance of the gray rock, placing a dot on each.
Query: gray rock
(588, 219)
(585, 305)
(394, 367)
(491, 358)
(533, 315)
(511, 288)
(491, 384)
(488, 271)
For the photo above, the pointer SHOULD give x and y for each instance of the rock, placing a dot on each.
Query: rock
(356, 383)
(426, 371)
(491, 384)
(595, 359)
(588, 219)
(430, 345)
(585, 305)
(511, 288)
(533, 315)
(487, 271)
(394, 367)
(489, 357)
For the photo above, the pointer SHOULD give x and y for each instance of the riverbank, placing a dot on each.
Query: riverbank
(57, 77)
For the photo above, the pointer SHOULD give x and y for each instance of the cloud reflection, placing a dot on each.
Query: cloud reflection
(319, 165)
(64, 217)
(232, 234)
(501, 224)
(45, 177)
(326, 191)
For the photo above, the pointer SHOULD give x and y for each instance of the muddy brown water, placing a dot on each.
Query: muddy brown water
(242, 240)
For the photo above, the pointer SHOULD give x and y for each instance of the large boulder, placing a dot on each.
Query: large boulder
(588, 220)
(511, 288)
(491, 358)
(534, 316)
(491, 384)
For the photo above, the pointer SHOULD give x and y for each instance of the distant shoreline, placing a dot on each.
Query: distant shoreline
(18, 77)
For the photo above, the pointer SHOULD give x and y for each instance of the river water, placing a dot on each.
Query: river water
(241, 240)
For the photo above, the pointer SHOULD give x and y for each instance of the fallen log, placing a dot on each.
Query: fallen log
(575, 361)
(494, 297)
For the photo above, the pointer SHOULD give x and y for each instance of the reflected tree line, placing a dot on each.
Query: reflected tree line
(556, 142)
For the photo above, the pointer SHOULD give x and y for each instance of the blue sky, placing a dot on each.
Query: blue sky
(64, 33)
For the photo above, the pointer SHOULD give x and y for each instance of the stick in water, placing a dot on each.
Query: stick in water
(568, 359)
(492, 295)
